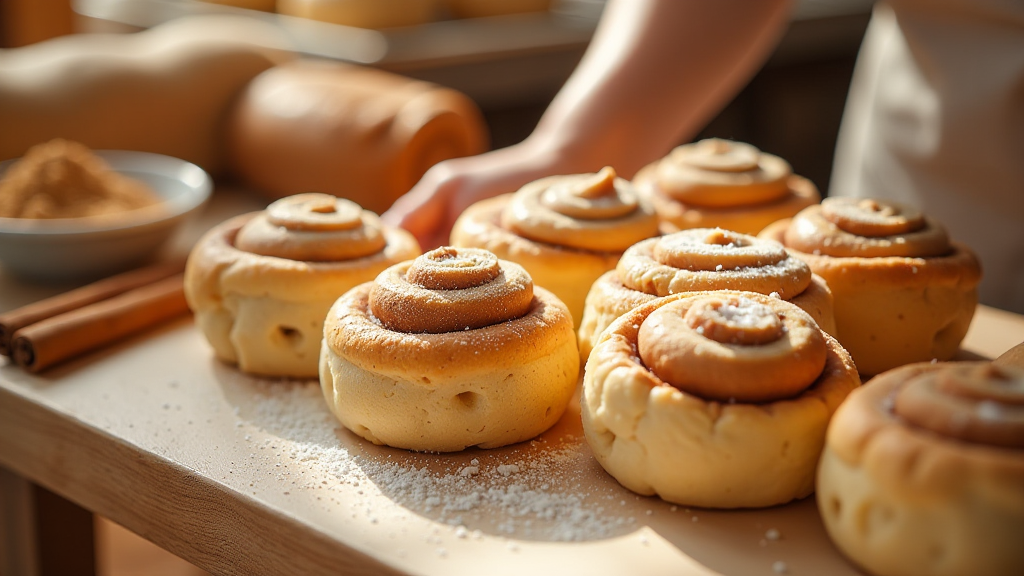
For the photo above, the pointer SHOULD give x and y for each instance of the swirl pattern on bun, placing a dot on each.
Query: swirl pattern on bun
(717, 399)
(903, 291)
(725, 184)
(699, 260)
(923, 468)
(565, 230)
(261, 284)
(456, 348)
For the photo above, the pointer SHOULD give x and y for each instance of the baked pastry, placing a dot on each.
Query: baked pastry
(923, 472)
(718, 183)
(260, 284)
(453, 349)
(362, 13)
(565, 230)
(903, 292)
(715, 399)
(698, 260)
(352, 131)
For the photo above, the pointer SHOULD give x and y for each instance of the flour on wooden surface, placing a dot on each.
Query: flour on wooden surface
(532, 490)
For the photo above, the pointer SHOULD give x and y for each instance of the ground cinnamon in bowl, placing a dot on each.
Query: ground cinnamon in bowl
(64, 179)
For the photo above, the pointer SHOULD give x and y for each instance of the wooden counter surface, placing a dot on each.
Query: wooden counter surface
(241, 475)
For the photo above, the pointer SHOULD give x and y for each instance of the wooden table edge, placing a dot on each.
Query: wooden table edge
(78, 461)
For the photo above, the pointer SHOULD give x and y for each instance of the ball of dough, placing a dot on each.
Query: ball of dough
(651, 429)
(565, 230)
(261, 284)
(697, 260)
(923, 471)
(454, 349)
(903, 292)
(724, 184)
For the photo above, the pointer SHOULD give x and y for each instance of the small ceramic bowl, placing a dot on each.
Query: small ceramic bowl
(64, 249)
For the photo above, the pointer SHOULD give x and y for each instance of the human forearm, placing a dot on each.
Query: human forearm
(655, 73)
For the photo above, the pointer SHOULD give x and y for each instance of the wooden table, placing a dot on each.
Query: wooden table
(246, 476)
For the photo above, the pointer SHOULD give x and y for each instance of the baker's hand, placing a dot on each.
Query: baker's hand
(430, 208)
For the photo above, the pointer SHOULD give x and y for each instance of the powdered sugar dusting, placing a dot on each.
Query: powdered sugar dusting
(745, 313)
(533, 490)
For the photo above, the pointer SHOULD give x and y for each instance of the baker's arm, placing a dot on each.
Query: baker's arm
(656, 72)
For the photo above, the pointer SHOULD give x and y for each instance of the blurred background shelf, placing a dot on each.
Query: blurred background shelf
(498, 61)
(513, 65)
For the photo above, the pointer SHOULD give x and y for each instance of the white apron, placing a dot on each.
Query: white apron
(935, 118)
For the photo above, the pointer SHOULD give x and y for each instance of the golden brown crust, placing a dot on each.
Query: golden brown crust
(959, 266)
(351, 328)
(716, 173)
(643, 274)
(716, 183)
(870, 433)
(871, 218)
(607, 300)
(313, 228)
(424, 296)
(594, 212)
(980, 403)
(215, 260)
(840, 227)
(486, 387)
(568, 272)
(749, 348)
(652, 266)
(266, 313)
(901, 499)
(895, 310)
(650, 436)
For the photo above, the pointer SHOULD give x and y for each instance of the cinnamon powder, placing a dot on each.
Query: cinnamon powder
(64, 179)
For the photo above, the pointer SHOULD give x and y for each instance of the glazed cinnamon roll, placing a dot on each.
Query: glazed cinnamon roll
(565, 230)
(260, 284)
(923, 471)
(453, 349)
(716, 399)
(723, 184)
(698, 260)
(903, 291)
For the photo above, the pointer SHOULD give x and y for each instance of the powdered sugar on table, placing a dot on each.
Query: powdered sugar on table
(532, 491)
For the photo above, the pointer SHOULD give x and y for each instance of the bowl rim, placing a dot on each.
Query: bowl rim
(199, 184)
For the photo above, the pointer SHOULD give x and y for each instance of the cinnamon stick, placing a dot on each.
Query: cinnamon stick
(61, 337)
(13, 320)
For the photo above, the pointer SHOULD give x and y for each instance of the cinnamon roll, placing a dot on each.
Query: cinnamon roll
(724, 184)
(715, 399)
(903, 291)
(923, 471)
(565, 230)
(453, 349)
(260, 284)
(698, 260)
